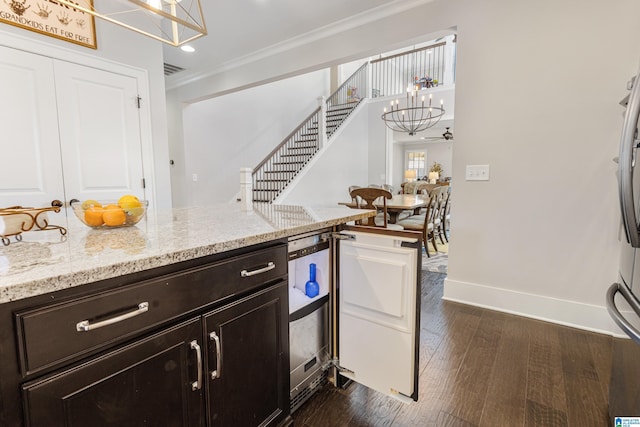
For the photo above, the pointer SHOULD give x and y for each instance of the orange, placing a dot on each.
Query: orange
(93, 216)
(114, 216)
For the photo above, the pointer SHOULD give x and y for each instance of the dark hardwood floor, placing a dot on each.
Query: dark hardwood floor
(483, 368)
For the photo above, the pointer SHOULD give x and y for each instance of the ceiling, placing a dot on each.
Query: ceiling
(241, 29)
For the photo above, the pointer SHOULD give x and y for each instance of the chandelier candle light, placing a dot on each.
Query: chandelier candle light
(415, 117)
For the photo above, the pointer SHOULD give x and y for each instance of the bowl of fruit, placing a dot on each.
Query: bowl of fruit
(127, 211)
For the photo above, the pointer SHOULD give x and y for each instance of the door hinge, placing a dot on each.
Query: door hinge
(336, 364)
(144, 183)
(338, 236)
(138, 101)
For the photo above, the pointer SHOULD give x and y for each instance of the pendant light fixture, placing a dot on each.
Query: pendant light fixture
(174, 22)
(416, 116)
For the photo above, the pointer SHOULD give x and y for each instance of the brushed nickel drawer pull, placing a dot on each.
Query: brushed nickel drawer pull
(270, 266)
(86, 325)
(197, 385)
(214, 337)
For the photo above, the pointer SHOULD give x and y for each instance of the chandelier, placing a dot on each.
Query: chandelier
(415, 117)
(174, 22)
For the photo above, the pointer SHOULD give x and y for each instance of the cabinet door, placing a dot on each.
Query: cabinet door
(31, 172)
(99, 132)
(152, 382)
(379, 310)
(248, 360)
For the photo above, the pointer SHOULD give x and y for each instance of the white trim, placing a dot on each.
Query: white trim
(563, 312)
(23, 43)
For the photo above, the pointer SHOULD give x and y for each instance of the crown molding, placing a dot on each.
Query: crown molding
(345, 24)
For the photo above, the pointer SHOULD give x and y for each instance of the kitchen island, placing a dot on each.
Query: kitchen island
(179, 320)
(46, 262)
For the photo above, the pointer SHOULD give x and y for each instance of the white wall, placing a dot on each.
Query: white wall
(226, 133)
(123, 47)
(440, 152)
(539, 238)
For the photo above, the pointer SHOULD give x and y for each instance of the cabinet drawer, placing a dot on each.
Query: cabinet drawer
(52, 335)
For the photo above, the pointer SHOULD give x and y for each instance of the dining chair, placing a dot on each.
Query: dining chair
(445, 216)
(371, 198)
(388, 187)
(429, 221)
(354, 199)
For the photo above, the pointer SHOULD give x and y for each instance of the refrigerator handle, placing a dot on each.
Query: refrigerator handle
(625, 167)
(617, 317)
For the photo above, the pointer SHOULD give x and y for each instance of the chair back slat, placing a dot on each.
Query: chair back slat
(371, 198)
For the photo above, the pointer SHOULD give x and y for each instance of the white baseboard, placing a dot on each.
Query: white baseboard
(568, 313)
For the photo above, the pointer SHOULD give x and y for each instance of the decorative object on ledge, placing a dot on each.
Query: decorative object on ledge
(174, 22)
(437, 168)
(415, 117)
(16, 220)
(52, 18)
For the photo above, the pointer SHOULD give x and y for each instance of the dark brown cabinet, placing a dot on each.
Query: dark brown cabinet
(248, 363)
(145, 383)
(202, 345)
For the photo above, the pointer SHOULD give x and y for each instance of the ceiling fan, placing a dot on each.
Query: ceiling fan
(446, 136)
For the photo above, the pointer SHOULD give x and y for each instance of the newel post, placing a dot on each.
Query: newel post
(322, 122)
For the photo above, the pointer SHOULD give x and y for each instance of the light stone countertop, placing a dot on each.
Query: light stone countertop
(44, 261)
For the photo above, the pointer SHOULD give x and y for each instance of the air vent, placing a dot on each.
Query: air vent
(171, 69)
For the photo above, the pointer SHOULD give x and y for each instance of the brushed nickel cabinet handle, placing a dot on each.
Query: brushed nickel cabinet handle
(86, 325)
(216, 373)
(197, 385)
(270, 266)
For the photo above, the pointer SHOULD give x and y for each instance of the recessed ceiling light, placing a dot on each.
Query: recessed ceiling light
(187, 48)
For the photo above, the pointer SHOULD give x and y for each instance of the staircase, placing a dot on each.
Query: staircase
(282, 165)
(389, 75)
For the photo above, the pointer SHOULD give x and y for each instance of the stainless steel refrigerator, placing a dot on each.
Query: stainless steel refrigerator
(623, 297)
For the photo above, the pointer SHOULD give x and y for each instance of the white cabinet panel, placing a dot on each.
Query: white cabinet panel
(99, 132)
(31, 172)
(378, 309)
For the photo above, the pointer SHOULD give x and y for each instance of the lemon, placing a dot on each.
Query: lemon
(90, 204)
(131, 205)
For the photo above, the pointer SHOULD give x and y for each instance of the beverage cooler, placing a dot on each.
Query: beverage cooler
(308, 316)
(361, 322)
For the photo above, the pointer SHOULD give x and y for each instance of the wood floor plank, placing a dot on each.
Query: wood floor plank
(371, 408)
(470, 385)
(582, 384)
(601, 347)
(539, 415)
(545, 383)
(329, 407)
(434, 382)
(506, 393)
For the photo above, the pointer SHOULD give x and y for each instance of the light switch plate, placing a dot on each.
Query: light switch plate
(477, 173)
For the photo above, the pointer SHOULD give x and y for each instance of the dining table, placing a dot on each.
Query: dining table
(399, 203)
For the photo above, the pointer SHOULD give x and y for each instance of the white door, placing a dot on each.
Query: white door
(99, 132)
(31, 170)
(378, 311)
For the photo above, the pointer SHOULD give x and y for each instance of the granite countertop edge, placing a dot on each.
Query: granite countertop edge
(57, 282)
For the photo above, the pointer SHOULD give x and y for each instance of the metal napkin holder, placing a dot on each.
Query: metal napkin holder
(32, 219)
